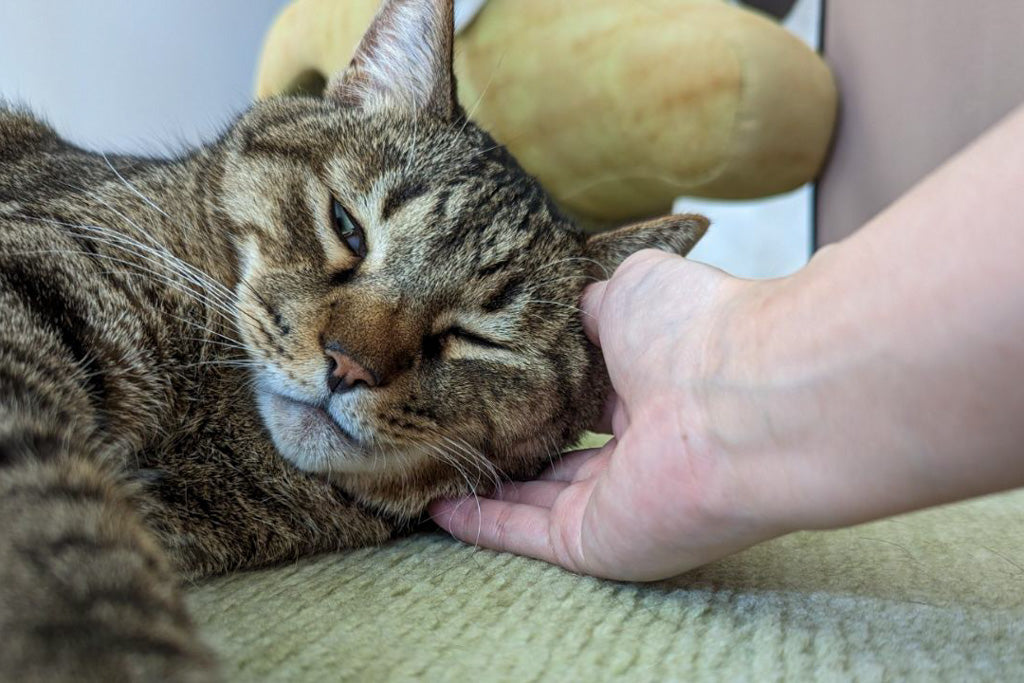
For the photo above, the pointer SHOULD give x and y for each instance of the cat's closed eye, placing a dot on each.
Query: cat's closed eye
(474, 338)
(435, 344)
(348, 229)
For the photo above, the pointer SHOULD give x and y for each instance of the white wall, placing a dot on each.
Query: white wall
(141, 76)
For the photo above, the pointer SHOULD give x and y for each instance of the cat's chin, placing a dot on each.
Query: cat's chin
(311, 439)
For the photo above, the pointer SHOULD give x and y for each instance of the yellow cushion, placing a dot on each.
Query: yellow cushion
(618, 106)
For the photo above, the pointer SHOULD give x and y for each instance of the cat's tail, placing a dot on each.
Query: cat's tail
(85, 591)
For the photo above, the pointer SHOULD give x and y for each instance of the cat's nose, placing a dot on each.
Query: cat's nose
(344, 373)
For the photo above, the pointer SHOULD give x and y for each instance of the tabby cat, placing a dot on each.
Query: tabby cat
(286, 342)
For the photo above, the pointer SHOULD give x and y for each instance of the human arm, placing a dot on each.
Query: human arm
(886, 376)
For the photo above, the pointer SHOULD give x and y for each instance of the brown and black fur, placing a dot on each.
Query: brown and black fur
(149, 306)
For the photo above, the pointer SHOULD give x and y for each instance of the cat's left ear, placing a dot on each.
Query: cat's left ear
(404, 61)
(676, 234)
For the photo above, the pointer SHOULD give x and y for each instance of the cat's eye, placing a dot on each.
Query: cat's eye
(434, 344)
(474, 338)
(348, 229)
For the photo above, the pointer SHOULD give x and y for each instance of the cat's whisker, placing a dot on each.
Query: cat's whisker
(446, 459)
(227, 361)
(479, 460)
(505, 141)
(141, 269)
(565, 276)
(214, 342)
(472, 492)
(558, 280)
(458, 461)
(218, 363)
(483, 93)
(558, 303)
(209, 367)
(458, 457)
(223, 303)
(116, 240)
(134, 189)
(185, 269)
(160, 251)
(552, 453)
(496, 478)
(570, 259)
(163, 252)
(202, 295)
(223, 338)
(183, 288)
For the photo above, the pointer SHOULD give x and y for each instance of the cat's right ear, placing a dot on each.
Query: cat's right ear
(404, 61)
(676, 234)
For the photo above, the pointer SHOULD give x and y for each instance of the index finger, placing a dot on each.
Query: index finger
(498, 525)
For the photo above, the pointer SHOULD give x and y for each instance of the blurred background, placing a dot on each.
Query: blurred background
(136, 76)
(151, 77)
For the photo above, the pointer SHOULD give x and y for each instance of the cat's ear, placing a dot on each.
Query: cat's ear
(676, 234)
(403, 62)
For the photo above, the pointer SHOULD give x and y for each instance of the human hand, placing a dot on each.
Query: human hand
(661, 497)
(884, 376)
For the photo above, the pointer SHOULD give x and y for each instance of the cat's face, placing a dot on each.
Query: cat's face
(408, 292)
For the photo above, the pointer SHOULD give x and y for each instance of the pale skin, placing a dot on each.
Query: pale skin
(886, 376)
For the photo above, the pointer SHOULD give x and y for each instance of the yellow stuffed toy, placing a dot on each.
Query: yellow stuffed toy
(617, 106)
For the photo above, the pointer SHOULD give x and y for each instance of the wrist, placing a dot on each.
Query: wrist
(770, 388)
(835, 401)
(729, 408)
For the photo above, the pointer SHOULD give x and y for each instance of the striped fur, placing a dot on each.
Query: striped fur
(164, 409)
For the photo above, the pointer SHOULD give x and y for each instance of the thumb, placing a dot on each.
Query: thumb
(590, 304)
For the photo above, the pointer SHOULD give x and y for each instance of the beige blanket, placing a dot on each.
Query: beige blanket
(937, 595)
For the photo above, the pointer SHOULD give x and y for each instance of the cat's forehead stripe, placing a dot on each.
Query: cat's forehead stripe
(400, 195)
(493, 267)
(505, 295)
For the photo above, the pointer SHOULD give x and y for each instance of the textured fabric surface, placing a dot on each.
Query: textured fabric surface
(937, 595)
